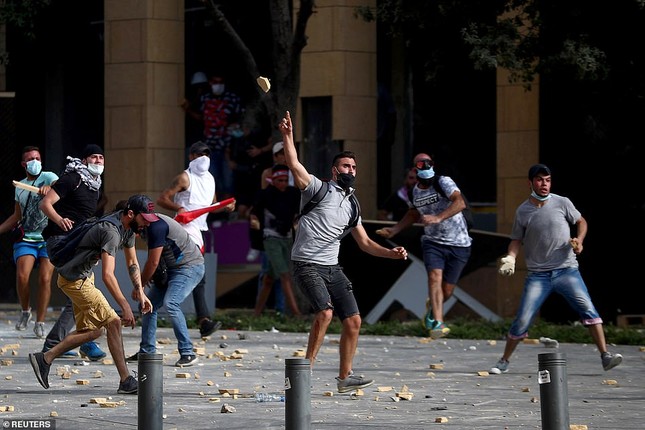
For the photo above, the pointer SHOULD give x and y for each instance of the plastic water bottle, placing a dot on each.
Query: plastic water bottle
(269, 397)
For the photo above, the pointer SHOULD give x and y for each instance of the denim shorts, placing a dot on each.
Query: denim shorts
(450, 259)
(36, 249)
(326, 287)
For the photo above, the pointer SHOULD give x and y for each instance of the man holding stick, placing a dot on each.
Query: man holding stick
(30, 248)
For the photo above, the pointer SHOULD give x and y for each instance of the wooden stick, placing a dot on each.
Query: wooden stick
(26, 187)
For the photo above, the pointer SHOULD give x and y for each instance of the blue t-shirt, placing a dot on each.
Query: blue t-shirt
(34, 220)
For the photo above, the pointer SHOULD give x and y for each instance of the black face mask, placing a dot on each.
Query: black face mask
(345, 180)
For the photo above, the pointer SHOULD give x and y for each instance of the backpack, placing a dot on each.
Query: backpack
(62, 251)
(320, 195)
(467, 211)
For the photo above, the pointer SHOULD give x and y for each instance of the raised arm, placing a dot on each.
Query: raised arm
(300, 175)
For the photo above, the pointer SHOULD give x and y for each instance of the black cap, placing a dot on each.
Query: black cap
(141, 204)
(91, 149)
(538, 168)
(200, 148)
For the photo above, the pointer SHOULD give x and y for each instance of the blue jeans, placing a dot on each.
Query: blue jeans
(538, 286)
(181, 282)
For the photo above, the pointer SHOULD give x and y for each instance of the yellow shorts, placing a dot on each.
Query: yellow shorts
(91, 308)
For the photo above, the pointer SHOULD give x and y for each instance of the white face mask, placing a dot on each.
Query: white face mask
(34, 167)
(218, 89)
(95, 169)
(200, 164)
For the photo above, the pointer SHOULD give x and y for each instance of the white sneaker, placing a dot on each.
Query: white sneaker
(39, 329)
(25, 318)
(252, 255)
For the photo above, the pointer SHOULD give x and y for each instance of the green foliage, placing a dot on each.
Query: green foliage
(21, 15)
(523, 36)
(461, 328)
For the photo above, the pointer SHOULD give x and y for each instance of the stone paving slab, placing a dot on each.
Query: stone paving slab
(441, 374)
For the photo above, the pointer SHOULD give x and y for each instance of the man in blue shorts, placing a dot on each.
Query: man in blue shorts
(30, 248)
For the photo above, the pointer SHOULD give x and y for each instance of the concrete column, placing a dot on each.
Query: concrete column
(144, 83)
(340, 61)
(518, 147)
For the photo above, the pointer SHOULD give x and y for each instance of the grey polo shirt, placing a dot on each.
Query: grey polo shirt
(320, 231)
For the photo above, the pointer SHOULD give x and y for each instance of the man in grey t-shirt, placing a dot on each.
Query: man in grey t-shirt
(543, 224)
(92, 311)
(315, 255)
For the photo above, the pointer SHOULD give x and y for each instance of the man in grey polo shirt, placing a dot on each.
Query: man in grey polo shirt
(315, 255)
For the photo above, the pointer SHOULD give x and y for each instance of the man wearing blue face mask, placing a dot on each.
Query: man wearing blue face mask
(543, 225)
(75, 197)
(437, 203)
(29, 248)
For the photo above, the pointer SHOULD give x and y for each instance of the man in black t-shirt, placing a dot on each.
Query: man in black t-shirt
(73, 198)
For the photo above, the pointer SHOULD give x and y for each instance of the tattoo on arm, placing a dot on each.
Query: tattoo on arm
(135, 275)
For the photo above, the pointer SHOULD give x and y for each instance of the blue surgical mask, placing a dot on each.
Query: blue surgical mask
(34, 167)
(540, 198)
(425, 173)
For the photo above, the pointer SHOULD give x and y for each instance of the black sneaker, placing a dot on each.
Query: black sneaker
(209, 327)
(129, 386)
(186, 361)
(134, 358)
(41, 368)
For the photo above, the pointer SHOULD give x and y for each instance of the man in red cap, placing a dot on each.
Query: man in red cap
(92, 311)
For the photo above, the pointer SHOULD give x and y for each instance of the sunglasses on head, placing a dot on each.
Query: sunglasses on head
(424, 164)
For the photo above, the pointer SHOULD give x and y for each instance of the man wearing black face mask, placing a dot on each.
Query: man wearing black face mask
(315, 255)
(445, 242)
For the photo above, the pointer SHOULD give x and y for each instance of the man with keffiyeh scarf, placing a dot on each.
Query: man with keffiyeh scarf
(73, 198)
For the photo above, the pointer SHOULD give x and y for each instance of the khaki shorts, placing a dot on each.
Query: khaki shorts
(91, 308)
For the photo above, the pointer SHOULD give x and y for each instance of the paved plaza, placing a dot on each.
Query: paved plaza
(419, 384)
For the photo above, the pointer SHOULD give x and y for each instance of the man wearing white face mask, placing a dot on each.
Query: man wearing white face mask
(29, 248)
(222, 111)
(194, 188)
(72, 199)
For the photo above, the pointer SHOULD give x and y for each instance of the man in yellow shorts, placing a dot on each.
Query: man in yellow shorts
(92, 311)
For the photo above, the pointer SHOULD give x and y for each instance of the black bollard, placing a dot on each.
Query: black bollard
(297, 385)
(150, 413)
(554, 398)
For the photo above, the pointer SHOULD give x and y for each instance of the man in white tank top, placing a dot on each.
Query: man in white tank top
(194, 188)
